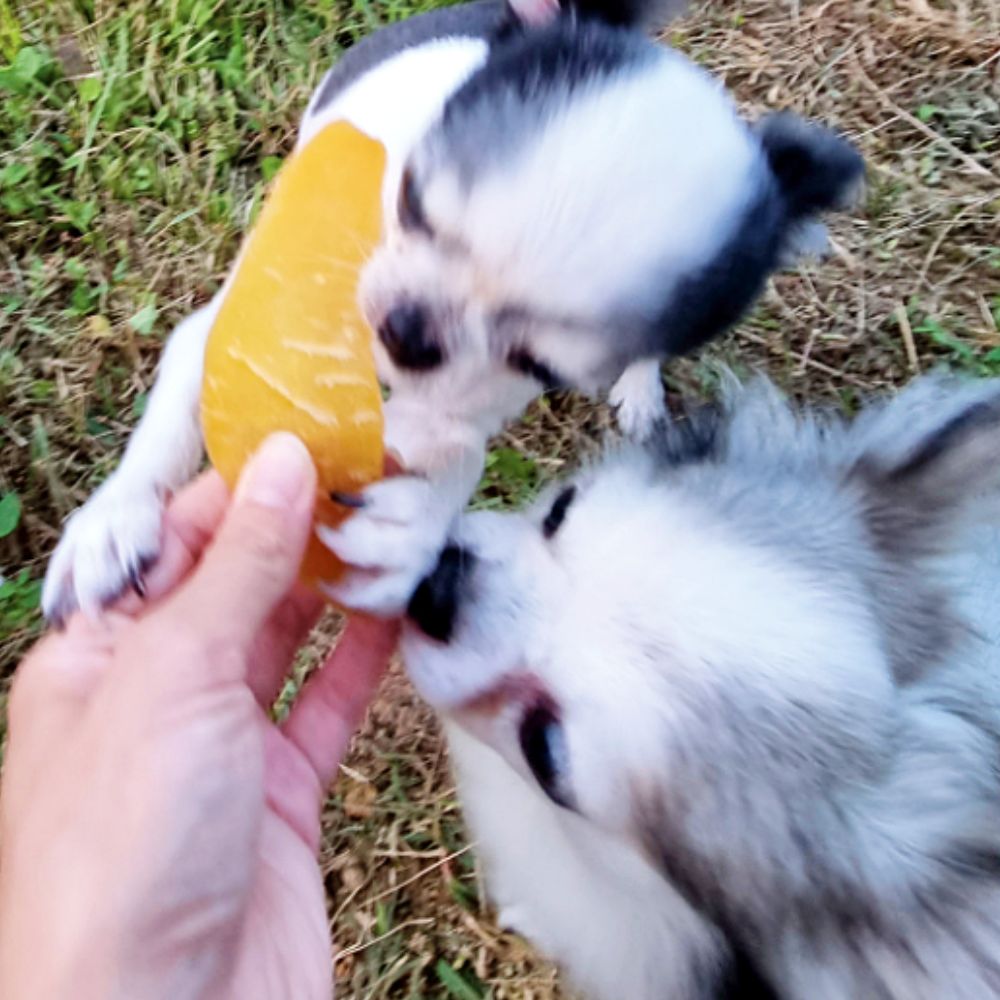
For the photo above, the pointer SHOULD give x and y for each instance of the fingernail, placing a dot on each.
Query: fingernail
(277, 473)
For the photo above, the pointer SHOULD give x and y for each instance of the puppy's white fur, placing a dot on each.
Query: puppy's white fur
(387, 106)
(607, 248)
(113, 538)
(772, 661)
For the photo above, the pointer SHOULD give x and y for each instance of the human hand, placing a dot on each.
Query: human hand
(158, 834)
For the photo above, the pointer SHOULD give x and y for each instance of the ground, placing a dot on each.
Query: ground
(136, 142)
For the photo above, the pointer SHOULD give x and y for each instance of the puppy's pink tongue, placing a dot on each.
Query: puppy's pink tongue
(394, 463)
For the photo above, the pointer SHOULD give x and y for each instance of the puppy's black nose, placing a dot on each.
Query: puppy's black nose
(434, 603)
(406, 334)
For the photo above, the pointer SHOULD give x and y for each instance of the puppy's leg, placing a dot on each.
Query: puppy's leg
(393, 541)
(638, 400)
(109, 541)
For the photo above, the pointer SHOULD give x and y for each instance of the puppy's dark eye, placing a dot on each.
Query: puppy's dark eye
(543, 744)
(557, 512)
(410, 209)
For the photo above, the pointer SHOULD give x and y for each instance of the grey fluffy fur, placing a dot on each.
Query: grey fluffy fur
(835, 823)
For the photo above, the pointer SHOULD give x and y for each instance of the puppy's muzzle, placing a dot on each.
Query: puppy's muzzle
(435, 603)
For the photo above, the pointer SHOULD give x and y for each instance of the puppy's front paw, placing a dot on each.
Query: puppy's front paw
(392, 542)
(638, 401)
(106, 547)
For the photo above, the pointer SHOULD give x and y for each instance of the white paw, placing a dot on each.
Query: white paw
(638, 414)
(106, 547)
(392, 543)
(637, 420)
(639, 402)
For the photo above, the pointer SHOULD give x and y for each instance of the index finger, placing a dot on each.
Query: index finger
(275, 646)
(335, 697)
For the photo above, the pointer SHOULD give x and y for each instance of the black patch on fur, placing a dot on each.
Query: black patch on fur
(814, 167)
(491, 20)
(527, 364)
(743, 980)
(697, 885)
(622, 13)
(909, 501)
(811, 170)
(534, 63)
(481, 19)
(708, 301)
(434, 604)
(982, 416)
(557, 512)
(976, 861)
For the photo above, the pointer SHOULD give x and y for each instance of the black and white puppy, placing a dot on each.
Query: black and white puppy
(725, 711)
(566, 203)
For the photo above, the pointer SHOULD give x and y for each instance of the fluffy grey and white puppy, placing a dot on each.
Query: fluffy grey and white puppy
(565, 202)
(725, 711)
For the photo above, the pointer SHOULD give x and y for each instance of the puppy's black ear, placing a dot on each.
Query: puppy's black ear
(650, 14)
(815, 168)
(929, 463)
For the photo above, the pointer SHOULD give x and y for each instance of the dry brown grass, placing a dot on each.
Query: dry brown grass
(915, 282)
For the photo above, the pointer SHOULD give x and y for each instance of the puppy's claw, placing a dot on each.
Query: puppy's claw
(106, 549)
(138, 569)
(136, 581)
(353, 500)
(390, 544)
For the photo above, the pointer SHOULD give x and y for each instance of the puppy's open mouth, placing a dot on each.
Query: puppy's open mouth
(515, 689)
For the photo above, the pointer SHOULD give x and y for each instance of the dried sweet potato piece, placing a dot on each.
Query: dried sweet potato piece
(289, 349)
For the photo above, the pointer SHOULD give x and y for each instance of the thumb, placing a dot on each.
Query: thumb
(254, 558)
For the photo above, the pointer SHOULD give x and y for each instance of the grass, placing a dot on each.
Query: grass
(136, 142)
